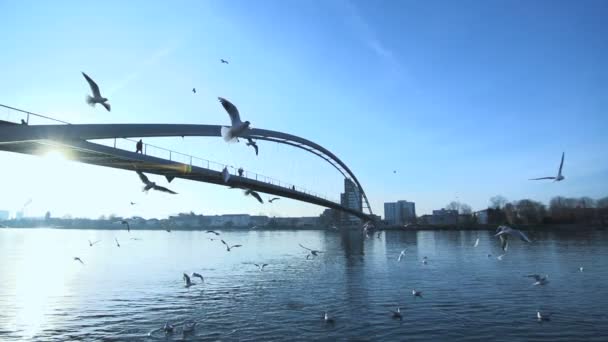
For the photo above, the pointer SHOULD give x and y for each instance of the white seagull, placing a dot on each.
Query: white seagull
(580, 269)
(231, 134)
(313, 252)
(501, 256)
(328, 320)
(417, 294)
(476, 243)
(504, 231)
(93, 243)
(228, 247)
(540, 317)
(261, 267)
(254, 194)
(401, 255)
(151, 185)
(397, 314)
(559, 176)
(96, 98)
(540, 280)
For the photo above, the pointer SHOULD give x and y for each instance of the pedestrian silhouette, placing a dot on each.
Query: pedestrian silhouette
(240, 172)
(139, 147)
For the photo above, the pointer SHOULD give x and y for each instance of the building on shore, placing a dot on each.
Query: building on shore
(400, 212)
(490, 216)
(440, 217)
(353, 199)
(4, 215)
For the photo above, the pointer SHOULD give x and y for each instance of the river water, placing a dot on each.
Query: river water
(127, 293)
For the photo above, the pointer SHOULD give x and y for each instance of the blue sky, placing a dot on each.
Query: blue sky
(463, 99)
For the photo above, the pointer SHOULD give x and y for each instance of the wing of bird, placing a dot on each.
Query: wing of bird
(163, 189)
(535, 276)
(305, 247)
(235, 246)
(522, 235)
(264, 265)
(235, 117)
(106, 106)
(255, 147)
(224, 242)
(257, 196)
(542, 178)
(143, 177)
(476, 243)
(93, 85)
(561, 165)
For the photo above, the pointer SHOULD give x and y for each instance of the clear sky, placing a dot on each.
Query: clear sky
(463, 99)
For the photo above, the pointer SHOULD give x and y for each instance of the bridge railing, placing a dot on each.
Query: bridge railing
(16, 115)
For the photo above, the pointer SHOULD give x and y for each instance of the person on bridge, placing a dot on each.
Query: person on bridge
(240, 172)
(139, 148)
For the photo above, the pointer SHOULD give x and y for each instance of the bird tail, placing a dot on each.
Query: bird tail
(90, 101)
(227, 134)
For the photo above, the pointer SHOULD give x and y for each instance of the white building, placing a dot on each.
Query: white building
(351, 198)
(400, 212)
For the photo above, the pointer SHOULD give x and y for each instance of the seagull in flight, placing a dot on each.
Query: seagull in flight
(559, 176)
(273, 199)
(504, 231)
(213, 232)
(228, 247)
(194, 90)
(125, 222)
(187, 280)
(253, 144)
(476, 243)
(327, 319)
(224, 61)
(117, 244)
(261, 267)
(540, 280)
(313, 252)
(78, 259)
(152, 185)
(194, 275)
(231, 134)
(541, 318)
(257, 196)
(133, 203)
(417, 294)
(96, 98)
(580, 269)
(397, 314)
(401, 255)
(92, 243)
(501, 256)
(135, 239)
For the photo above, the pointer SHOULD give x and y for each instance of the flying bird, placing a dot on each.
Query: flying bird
(230, 134)
(194, 274)
(187, 281)
(273, 199)
(504, 231)
(559, 176)
(501, 256)
(254, 194)
(397, 314)
(135, 239)
(253, 144)
(224, 61)
(212, 232)
(92, 243)
(225, 174)
(580, 269)
(540, 280)
(228, 247)
(417, 294)
(125, 222)
(78, 259)
(117, 244)
(261, 267)
(133, 203)
(96, 98)
(151, 185)
(313, 252)
(194, 90)
(401, 255)
(476, 243)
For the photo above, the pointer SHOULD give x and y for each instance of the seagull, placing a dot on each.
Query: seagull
(476, 243)
(168, 328)
(417, 294)
(540, 317)
(224, 61)
(117, 244)
(228, 247)
(187, 280)
(231, 134)
(273, 199)
(540, 280)
(225, 174)
(194, 274)
(425, 260)
(580, 269)
(124, 222)
(96, 98)
(501, 256)
(313, 252)
(253, 144)
(212, 232)
(194, 90)
(254, 194)
(328, 320)
(78, 259)
(133, 203)
(559, 176)
(152, 185)
(401, 255)
(261, 267)
(168, 230)
(504, 231)
(212, 239)
(92, 243)
(397, 314)
(135, 239)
